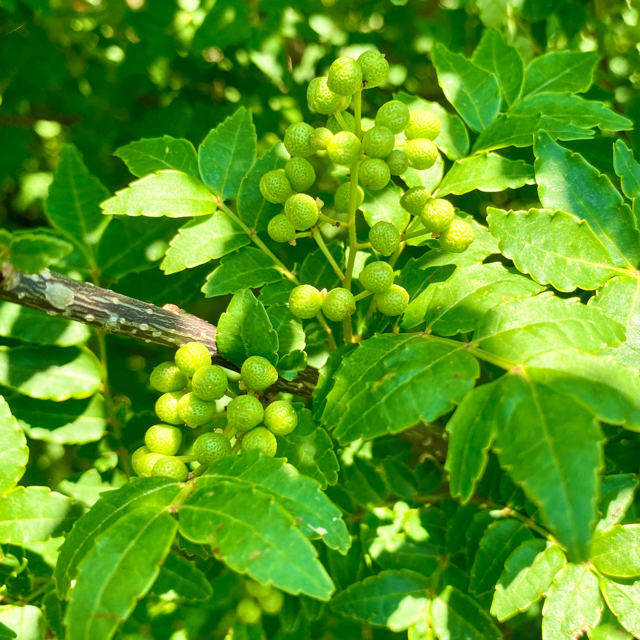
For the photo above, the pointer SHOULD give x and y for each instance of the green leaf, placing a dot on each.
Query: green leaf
(616, 497)
(485, 172)
(428, 178)
(291, 336)
(553, 247)
(204, 239)
(27, 622)
(456, 615)
(159, 154)
(624, 602)
(568, 183)
(608, 628)
(493, 13)
(242, 269)
(528, 574)
(273, 549)
(166, 193)
(244, 330)
(5, 632)
(13, 444)
(627, 169)
(227, 153)
(391, 382)
(224, 27)
(277, 293)
(182, 576)
(617, 551)
(364, 483)
(473, 92)
(316, 269)
(33, 252)
(382, 205)
(124, 563)
(573, 604)
(393, 599)
(560, 72)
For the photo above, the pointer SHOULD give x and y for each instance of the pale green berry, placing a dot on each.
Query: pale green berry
(378, 142)
(191, 356)
(300, 173)
(167, 377)
(167, 407)
(209, 383)
(173, 468)
(302, 211)
(422, 153)
(272, 602)
(320, 98)
(245, 412)
(423, 124)
(338, 304)
(334, 125)
(384, 237)
(342, 198)
(320, 138)
(248, 611)
(392, 302)
(275, 187)
(377, 277)
(437, 215)
(414, 199)
(305, 301)
(147, 462)
(394, 115)
(297, 140)
(280, 229)
(261, 439)
(375, 68)
(258, 373)
(256, 589)
(374, 174)
(136, 457)
(280, 418)
(210, 447)
(398, 162)
(195, 412)
(162, 438)
(345, 76)
(457, 237)
(344, 148)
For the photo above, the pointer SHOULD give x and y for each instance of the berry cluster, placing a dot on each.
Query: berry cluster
(260, 599)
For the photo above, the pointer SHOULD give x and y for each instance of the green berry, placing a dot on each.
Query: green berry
(245, 412)
(305, 302)
(457, 237)
(320, 138)
(248, 611)
(394, 115)
(414, 199)
(167, 377)
(300, 173)
(271, 603)
(338, 304)
(261, 439)
(256, 589)
(392, 302)
(375, 68)
(423, 124)
(320, 98)
(275, 187)
(162, 438)
(377, 277)
(422, 153)
(335, 126)
(344, 148)
(210, 447)
(378, 142)
(136, 457)
(437, 215)
(280, 418)
(345, 76)
(297, 140)
(146, 463)
(168, 467)
(384, 237)
(167, 407)
(258, 373)
(280, 229)
(191, 356)
(342, 197)
(195, 412)
(374, 174)
(398, 162)
(302, 211)
(209, 383)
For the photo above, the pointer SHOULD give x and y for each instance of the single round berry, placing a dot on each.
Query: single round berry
(384, 237)
(320, 138)
(301, 210)
(162, 438)
(423, 124)
(195, 412)
(457, 237)
(280, 229)
(167, 407)
(146, 463)
(344, 148)
(297, 140)
(338, 304)
(305, 302)
(280, 418)
(258, 373)
(375, 68)
(377, 277)
(136, 457)
(394, 115)
(210, 447)
(345, 76)
(275, 187)
(422, 153)
(256, 589)
(300, 173)
(374, 174)
(392, 302)
(245, 412)
(398, 162)
(342, 197)
(191, 356)
(414, 199)
(168, 467)
(335, 126)
(248, 611)
(437, 215)
(209, 383)
(271, 603)
(378, 142)
(320, 98)
(261, 439)
(167, 377)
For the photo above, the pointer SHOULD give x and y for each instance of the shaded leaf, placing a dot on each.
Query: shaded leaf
(179, 575)
(317, 271)
(149, 155)
(624, 602)
(291, 336)
(560, 72)
(627, 169)
(33, 252)
(456, 615)
(616, 496)
(13, 444)
(364, 483)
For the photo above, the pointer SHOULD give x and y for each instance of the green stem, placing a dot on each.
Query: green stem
(508, 512)
(332, 222)
(414, 234)
(338, 116)
(229, 431)
(236, 447)
(327, 254)
(187, 458)
(473, 349)
(363, 295)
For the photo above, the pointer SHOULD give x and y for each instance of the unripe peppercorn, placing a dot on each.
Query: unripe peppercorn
(300, 173)
(210, 447)
(374, 174)
(437, 215)
(261, 439)
(457, 237)
(163, 438)
(258, 373)
(320, 98)
(344, 148)
(209, 383)
(335, 126)
(398, 162)
(245, 412)
(168, 467)
(191, 356)
(320, 138)
(195, 412)
(302, 211)
(280, 229)
(275, 187)
(167, 377)
(375, 68)
(414, 199)
(378, 142)
(342, 197)
(297, 140)
(377, 277)
(345, 76)
(384, 237)
(167, 407)
(394, 115)
(392, 302)
(338, 304)
(305, 302)
(423, 124)
(280, 418)
(422, 153)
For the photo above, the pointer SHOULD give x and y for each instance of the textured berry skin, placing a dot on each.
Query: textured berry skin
(305, 302)
(384, 237)
(271, 603)
(343, 195)
(374, 174)
(167, 407)
(301, 211)
(398, 162)
(320, 98)
(297, 140)
(248, 611)
(162, 438)
(423, 124)
(195, 412)
(334, 125)
(191, 356)
(375, 68)
(136, 457)
(261, 439)
(320, 138)
(437, 215)
(422, 153)
(167, 377)
(300, 173)
(258, 373)
(280, 229)
(344, 148)
(209, 383)
(394, 115)
(338, 304)
(275, 187)
(245, 412)
(345, 76)
(392, 302)
(210, 447)
(147, 462)
(173, 468)
(378, 142)
(414, 199)
(377, 277)
(280, 418)
(457, 237)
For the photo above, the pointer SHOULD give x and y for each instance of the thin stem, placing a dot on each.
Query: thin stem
(327, 254)
(529, 522)
(229, 431)
(338, 116)
(331, 221)
(414, 234)
(236, 447)
(363, 295)
(184, 493)
(187, 458)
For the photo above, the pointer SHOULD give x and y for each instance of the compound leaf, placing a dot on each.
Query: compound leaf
(627, 169)
(456, 615)
(182, 576)
(624, 602)
(13, 444)
(159, 154)
(617, 551)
